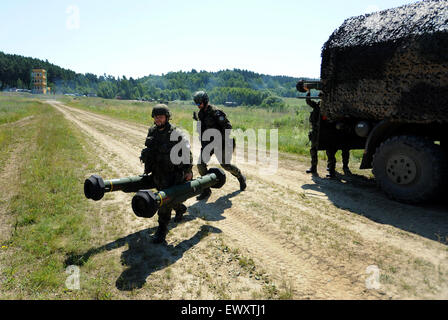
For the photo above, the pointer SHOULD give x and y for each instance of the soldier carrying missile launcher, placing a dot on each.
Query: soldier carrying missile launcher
(168, 163)
(164, 173)
(168, 168)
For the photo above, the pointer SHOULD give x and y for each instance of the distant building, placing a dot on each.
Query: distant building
(230, 104)
(39, 81)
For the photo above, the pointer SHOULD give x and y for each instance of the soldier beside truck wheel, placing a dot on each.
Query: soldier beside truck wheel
(318, 122)
(163, 172)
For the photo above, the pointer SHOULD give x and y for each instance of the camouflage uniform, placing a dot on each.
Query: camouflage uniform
(164, 173)
(331, 162)
(213, 118)
(316, 123)
(313, 135)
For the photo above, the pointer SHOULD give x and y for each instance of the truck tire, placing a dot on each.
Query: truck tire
(410, 169)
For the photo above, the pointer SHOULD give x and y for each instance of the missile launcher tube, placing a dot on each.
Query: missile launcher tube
(95, 186)
(146, 202)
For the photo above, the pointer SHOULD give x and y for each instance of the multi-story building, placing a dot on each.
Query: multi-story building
(39, 81)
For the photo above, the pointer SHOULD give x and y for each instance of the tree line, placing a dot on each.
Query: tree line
(241, 87)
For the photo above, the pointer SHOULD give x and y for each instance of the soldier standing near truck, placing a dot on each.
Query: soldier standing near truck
(210, 117)
(316, 122)
(313, 135)
(331, 162)
(158, 163)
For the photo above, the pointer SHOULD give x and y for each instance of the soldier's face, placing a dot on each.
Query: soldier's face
(160, 120)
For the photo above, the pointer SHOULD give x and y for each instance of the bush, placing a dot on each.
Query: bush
(274, 103)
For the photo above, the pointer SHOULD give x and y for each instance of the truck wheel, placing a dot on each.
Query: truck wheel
(410, 169)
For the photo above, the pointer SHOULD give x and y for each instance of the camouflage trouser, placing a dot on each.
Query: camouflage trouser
(313, 150)
(163, 182)
(202, 167)
(313, 153)
(164, 213)
(331, 155)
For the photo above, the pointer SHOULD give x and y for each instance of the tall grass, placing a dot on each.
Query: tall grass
(15, 108)
(49, 209)
(12, 109)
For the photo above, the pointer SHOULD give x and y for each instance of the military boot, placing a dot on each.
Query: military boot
(331, 173)
(242, 181)
(312, 169)
(179, 213)
(159, 236)
(345, 161)
(205, 194)
(346, 170)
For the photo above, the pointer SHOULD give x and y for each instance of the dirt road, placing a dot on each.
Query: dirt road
(309, 237)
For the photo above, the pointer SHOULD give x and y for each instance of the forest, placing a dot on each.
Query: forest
(240, 87)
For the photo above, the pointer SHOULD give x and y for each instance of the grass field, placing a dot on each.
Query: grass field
(13, 109)
(43, 163)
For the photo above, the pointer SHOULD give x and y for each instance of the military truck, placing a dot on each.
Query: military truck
(384, 82)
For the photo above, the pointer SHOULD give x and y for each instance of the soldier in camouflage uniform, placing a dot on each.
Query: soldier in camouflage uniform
(212, 118)
(331, 162)
(313, 135)
(316, 122)
(158, 163)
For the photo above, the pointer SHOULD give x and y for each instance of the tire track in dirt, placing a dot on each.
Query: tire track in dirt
(310, 275)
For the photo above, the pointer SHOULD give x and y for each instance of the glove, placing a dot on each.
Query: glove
(143, 155)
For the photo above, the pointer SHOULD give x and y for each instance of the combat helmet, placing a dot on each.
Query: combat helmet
(161, 109)
(201, 97)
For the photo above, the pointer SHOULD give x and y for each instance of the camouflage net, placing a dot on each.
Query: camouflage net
(389, 64)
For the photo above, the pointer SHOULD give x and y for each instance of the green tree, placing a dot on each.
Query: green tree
(274, 103)
(19, 84)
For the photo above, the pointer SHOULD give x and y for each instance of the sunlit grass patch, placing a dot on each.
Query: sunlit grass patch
(49, 209)
(15, 108)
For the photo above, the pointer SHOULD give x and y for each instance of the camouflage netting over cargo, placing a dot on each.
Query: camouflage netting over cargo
(389, 64)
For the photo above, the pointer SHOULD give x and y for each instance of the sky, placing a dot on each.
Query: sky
(137, 38)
